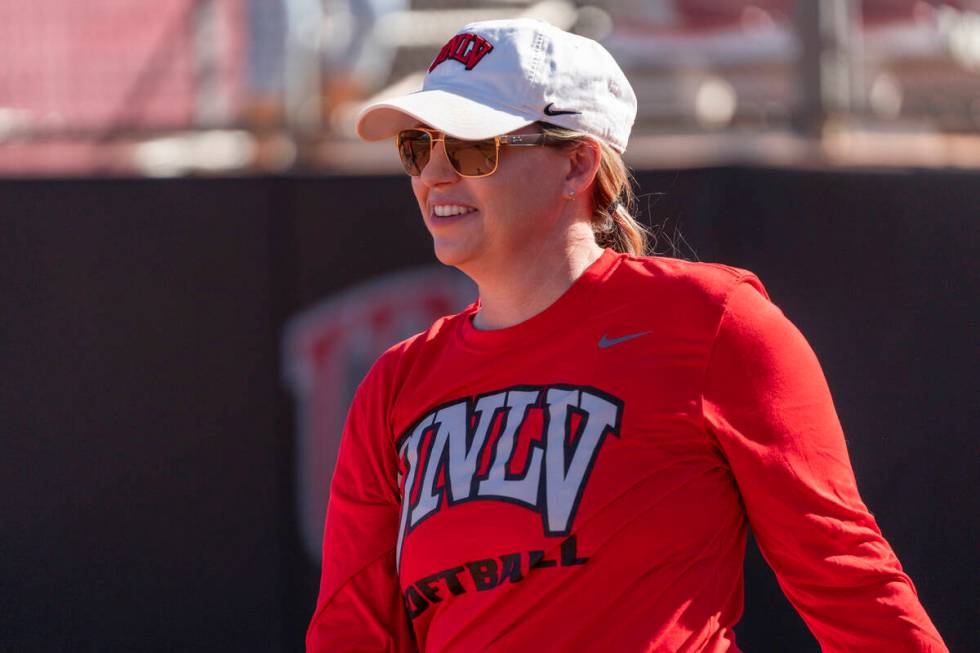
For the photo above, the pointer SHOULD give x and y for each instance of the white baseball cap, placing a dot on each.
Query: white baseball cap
(496, 76)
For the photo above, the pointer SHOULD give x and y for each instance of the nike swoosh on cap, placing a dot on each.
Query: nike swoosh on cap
(609, 342)
(555, 112)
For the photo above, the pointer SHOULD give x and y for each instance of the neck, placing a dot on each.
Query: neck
(531, 281)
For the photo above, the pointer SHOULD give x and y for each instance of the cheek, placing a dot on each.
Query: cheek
(529, 192)
(514, 213)
(537, 178)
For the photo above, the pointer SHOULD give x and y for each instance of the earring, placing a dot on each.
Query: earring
(570, 196)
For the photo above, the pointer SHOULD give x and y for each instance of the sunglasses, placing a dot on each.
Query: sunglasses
(468, 158)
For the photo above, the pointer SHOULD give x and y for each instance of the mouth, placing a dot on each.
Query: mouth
(449, 213)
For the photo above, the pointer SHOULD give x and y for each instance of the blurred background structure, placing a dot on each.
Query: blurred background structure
(217, 86)
(200, 261)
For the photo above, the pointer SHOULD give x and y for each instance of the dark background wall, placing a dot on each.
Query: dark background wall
(146, 464)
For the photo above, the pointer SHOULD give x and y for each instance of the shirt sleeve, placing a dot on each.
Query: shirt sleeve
(360, 607)
(766, 401)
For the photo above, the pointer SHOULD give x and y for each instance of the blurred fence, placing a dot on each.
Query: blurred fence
(129, 85)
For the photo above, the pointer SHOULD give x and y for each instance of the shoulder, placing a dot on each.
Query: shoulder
(393, 366)
(694, 284)
(412, 347)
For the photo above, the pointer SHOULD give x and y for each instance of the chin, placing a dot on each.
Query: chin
(452, 253)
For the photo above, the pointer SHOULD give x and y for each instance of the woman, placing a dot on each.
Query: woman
(572, 463)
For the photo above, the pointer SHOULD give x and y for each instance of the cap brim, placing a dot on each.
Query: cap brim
(449, 113)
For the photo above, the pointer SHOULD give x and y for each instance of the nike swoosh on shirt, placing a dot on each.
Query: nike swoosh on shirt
(609, 342)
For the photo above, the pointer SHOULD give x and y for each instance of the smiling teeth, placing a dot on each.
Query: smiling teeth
(446, 210)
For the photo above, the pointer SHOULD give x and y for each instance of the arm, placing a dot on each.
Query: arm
(360, 607)
(767, 403)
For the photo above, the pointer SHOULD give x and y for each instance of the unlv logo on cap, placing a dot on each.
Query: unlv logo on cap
(468, 49)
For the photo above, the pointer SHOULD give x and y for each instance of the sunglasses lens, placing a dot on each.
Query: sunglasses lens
(468, 158)
(413, 148)
(472, 158)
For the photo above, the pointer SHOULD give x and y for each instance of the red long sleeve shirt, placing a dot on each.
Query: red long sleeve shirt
(584, 480)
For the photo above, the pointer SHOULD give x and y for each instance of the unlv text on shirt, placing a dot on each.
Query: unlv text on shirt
(465, 450)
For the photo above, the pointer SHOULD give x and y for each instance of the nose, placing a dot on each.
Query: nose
(438, 170)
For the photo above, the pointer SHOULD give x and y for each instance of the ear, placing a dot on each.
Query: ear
(584, 158)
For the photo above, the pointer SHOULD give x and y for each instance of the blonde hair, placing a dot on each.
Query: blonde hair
(613, 198)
